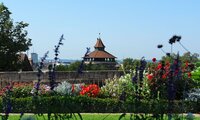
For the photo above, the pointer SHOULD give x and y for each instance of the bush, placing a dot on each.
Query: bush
(83, 104)
(22, 89)
(66, 88)
(114, 87)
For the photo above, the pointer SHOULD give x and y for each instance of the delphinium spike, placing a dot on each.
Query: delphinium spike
(52, 69)
(80, 68)
(6, 101)
(37, 85)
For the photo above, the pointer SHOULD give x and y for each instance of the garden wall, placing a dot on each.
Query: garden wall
(87, 76)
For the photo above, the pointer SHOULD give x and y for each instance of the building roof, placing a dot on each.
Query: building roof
(99, 51)
(99, 43)
(99, 54)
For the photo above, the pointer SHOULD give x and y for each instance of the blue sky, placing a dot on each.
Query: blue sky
(128, 28)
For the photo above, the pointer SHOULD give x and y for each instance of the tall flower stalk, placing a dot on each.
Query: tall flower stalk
(41, 65)
(52, 69)
(6, 101)
(175, 75)
(80, 68)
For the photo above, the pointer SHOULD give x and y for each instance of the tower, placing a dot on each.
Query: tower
(100, 56)
(34, 57)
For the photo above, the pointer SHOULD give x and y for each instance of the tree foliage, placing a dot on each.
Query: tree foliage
(129, 64)
(186, 57)
(13, 40)
(75, 65)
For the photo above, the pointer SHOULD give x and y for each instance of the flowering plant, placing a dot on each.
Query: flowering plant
(114, 87)
(160, 74)
(42, 90)
(66, 88)
(21, 89)
(91, 90)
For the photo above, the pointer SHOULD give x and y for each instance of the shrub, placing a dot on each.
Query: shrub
(196, 75)
(66, 88)
(83, 104)
(21, 89)
(193, 95)
(114, 87)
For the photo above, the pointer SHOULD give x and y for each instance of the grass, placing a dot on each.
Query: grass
(86, 116)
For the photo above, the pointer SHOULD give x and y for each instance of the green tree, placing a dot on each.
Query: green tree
(130, 64)
(96, 67)
(62, 68)
(13, 40)
(193, 58)
(74, 66)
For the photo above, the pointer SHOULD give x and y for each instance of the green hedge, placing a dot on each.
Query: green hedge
(81, 104)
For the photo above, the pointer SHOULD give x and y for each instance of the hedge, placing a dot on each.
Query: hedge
(82, 104)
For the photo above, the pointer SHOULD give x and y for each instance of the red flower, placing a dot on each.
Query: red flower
(72, 87)
(159, 66)
(91, 90)
(189, 74)
(164, 76)
(186, 64)
(149, 76)
(154, 59)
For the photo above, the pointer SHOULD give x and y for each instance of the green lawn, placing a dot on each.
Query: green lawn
(85, 116)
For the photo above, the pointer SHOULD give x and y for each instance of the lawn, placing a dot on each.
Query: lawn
(87, 116)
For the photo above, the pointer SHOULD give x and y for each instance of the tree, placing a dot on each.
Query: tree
(193, 58)
(13, 40)
(130, 64)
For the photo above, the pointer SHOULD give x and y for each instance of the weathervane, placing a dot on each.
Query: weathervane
(99, 35)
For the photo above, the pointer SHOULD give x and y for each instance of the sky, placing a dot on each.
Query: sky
(129, 28)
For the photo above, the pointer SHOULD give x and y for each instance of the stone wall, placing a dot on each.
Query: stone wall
(97, 77)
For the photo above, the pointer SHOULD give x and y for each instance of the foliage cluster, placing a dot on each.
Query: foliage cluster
(65, 88)
(193, 95)
(75, 65)
(196, 75)
(114, 87)
(84, 104)
(160, 73)
(13, 39)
